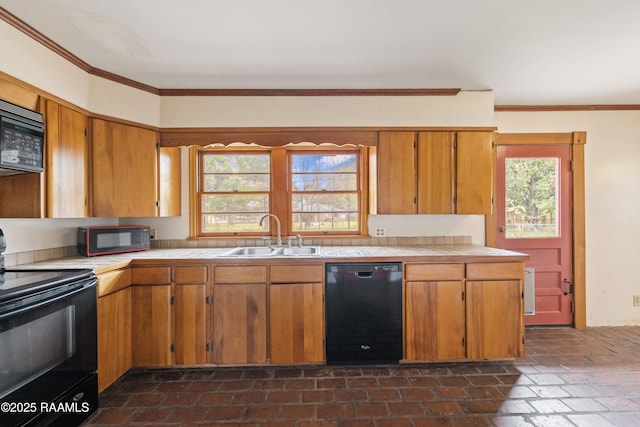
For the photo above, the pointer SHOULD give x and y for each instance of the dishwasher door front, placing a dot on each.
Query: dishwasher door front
(364, 313)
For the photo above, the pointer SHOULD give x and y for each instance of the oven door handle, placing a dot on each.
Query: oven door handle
(47, 301)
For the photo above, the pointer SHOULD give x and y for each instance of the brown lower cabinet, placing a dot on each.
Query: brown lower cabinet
(240, 323)
(151, 314)
(494, 310)
(114, 336)
(434, 312)
(186, 314)
(240, 314)
(435, 320)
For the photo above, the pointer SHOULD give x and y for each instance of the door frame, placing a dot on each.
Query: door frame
(577, 141)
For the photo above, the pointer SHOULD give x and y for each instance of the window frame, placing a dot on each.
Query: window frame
(201, 153)
(358, 191)
(280, 198)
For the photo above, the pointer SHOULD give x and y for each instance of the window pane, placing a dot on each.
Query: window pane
(234, 191)
(232, 223)
(236, 163)
(325, 222)
(239, 183)
(331, 202)
(231, 203)
(324, 182)
(324, 163)
(531, 201)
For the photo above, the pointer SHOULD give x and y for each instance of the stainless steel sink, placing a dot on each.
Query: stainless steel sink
(252, 251)
(266, 251)
(300, 250)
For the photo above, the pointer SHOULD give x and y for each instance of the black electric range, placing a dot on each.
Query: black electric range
(48, 345)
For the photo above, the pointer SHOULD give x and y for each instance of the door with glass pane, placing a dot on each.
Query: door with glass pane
(534, 217)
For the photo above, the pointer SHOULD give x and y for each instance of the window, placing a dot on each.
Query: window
(531, 197)
(324, 192)
(235, 191)
(312, 191)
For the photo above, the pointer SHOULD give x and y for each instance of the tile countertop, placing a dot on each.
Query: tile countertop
(425, 253)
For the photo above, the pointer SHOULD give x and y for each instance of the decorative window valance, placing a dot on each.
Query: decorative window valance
(267, 137)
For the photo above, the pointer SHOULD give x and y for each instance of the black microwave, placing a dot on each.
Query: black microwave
(106, 240)
(21, 140)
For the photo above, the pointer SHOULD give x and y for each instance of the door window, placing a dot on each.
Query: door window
(531, 197)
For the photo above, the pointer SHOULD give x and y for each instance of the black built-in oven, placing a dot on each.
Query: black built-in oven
(48, 347)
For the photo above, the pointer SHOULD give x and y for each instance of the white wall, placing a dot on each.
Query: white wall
(35, 233)
(474, 108)
(612, 162)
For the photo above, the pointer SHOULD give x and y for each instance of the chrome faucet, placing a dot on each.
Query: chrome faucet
(279, 241)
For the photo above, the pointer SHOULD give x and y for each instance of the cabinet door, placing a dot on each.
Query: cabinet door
(67, 168)
(396, 173)
(494, 319)
(125, 165)
(435, 316)
(151, 313)
(169, 180)
(190, 320)
(436, 172)
(474, 173)
(240, 323)
(296, 323)
(114, 337)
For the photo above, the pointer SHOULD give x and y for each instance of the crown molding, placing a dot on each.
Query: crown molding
(592, 107)
(309, 92)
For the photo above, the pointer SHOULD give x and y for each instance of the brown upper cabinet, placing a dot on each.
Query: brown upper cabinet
(132, 175)
(67, 162)
(169, 188)
(474, 173)
(125, 170)
(435, 172)
(397, 173)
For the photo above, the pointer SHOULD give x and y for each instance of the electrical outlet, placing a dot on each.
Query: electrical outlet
(152, 233)
(636, 300)
(380, 232)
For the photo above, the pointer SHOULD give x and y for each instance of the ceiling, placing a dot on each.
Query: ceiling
(542, 52)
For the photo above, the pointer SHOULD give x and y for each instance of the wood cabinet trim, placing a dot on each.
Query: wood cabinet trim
(495, 271)
(296, 273)
(113, 281)
(239, 274)
(425, 271)
(151, 275)
(187, 275)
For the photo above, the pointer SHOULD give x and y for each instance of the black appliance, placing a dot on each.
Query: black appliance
(113, 239)
(48, 346)
(363, 313)
(21, 140)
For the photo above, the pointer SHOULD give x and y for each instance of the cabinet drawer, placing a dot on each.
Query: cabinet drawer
(188, 275)
(417, 272)
(297, 273)
(240, 274)
(151, 275)
(495, 270)
(113, 281)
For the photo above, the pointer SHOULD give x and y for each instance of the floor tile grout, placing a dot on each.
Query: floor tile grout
(593, 380)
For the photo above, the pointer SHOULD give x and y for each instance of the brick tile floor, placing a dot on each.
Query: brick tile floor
(569, 377)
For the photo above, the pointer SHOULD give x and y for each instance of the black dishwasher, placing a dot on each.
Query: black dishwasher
(364, 313)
